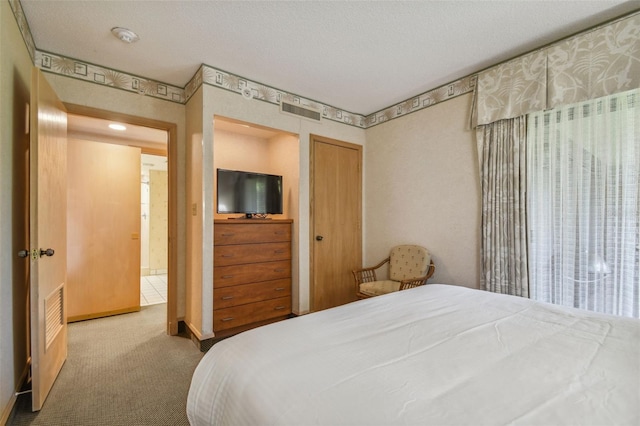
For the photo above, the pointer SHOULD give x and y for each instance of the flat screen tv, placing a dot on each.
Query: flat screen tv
(252, 194)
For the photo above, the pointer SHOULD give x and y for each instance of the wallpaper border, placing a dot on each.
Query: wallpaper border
(252, 90)
(23, 25)
(430, 98)
(82, 70)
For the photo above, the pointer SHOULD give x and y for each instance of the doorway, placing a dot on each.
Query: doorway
(169, 150)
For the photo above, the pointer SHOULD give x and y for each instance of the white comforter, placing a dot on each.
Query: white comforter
(434, 355)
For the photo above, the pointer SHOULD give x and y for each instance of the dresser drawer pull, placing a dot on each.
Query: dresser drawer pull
(277, 308)
(279, 288)
(228, 235)
(227, 255)
(227, 276)
(279, 251)
(279, 270)
(279, 232)
(227, 297)
(227, 319)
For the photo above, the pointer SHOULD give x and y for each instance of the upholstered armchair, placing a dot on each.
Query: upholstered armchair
(409, 266)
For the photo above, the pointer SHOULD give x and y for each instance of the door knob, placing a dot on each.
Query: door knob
(23, 253)
(48, 252)
(319, 237)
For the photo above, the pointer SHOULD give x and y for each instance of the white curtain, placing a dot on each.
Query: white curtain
(584, 204)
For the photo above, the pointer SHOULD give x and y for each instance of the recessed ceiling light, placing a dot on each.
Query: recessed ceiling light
(115, 126)
(125, 34)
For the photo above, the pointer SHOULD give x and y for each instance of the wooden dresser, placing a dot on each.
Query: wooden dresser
(252, 273)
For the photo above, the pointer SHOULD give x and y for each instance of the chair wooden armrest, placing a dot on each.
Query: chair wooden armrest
(415, 282)
(367, 275)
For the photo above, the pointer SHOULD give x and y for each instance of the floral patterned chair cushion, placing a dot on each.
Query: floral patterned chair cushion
(407, 262)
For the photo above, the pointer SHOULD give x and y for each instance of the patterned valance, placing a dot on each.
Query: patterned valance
(597, 63)
(600, 63)
(513, 88)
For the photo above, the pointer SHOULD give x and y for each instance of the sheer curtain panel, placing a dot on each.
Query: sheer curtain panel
(584, 204)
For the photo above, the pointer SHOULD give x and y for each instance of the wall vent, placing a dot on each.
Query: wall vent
(54, 315)
(300, 111)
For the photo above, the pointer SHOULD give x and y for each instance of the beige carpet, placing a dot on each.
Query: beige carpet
(120, 370)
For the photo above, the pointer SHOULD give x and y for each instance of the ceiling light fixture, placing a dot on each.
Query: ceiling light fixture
(125, 34)
(115, 126)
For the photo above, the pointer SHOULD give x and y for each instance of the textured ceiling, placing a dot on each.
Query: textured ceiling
(361, 56)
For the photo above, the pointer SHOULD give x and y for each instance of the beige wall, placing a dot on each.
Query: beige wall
(196, 272)
(284, 156)
(207, 103)
(277, 155)
(422, 187)
(240, 152)
(158, 220)
(77, 92)
(219, 102)
(15, 86)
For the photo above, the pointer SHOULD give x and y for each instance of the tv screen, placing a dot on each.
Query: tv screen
(249, 193)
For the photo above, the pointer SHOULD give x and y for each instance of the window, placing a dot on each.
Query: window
(583, 166)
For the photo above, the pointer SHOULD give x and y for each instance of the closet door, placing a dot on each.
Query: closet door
(336, 221)
(103, 239)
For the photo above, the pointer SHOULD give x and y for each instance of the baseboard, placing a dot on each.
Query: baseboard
(202, 342)
(11, 404)
(8, 409)
(85, 317)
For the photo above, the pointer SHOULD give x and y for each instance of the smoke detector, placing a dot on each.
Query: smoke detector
(125, 34)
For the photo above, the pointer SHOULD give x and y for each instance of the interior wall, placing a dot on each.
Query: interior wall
(235, 151)
(218, 102)
(196, 298)
(278, 155)
(284, 158)
(422, 187)
(158, 221)
(73, 91)
(15, 86)
(144, 224)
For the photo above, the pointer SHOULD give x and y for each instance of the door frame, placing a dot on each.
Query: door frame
(312, 184)
(172, 164)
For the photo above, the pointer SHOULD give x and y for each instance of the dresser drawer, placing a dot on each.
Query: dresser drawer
(226, 297)
(225, 276)
(251, 253)
(237, 316)
(246, 233)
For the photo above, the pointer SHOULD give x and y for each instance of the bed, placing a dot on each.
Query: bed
(433, 355)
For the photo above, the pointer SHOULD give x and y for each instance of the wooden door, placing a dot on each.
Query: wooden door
(103, 220)
(47, 237)
(336, 221)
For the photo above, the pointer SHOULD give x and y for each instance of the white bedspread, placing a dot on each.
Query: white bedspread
(434, 355)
